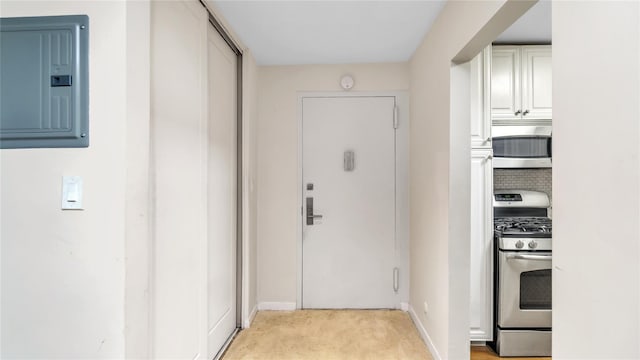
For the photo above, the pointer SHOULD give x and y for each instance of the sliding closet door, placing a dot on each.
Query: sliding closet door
(222, 166)
(194, 100)
(179, 148)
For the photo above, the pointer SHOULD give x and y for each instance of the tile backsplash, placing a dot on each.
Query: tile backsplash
(523, 179)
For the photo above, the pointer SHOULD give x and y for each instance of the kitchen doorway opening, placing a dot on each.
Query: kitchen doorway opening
(460, 206)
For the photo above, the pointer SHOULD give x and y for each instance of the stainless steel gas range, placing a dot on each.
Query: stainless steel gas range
(523, 273)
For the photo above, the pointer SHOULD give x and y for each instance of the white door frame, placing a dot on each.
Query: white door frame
(402, 186)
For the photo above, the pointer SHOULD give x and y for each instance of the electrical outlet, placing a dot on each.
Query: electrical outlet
(426, 307)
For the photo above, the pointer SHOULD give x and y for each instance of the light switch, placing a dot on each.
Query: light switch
(71, 193)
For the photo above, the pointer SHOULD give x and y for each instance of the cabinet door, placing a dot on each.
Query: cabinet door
(505, 83)
(536, 82)
(481, 247)
(480, 95)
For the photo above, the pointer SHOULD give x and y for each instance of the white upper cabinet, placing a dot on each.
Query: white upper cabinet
(520, 83)
(479, 93)
(505, 82)
(536, 82)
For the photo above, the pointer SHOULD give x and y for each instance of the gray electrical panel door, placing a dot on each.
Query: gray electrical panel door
(44, 82)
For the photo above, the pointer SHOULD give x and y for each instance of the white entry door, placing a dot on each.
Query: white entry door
(348, 146)
(221, 196)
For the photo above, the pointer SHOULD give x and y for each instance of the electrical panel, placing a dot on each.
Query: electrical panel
(44, 82)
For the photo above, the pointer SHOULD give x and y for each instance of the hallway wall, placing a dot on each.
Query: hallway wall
(250, 187)
(75, 284)
(596, 258)
(278, 208)
(63, 271)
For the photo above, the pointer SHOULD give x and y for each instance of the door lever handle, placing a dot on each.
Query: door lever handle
(310, 215)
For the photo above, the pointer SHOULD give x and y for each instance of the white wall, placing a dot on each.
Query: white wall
(180, 164)
(439, 170)
(137, 232)
(76, 284)
(596, 180)
(278, 207)
(250, 186)
(63, 271)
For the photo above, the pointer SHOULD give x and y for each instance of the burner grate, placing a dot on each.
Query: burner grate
(523, 225)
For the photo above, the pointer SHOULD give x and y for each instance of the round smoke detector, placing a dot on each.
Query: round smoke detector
(347, 82)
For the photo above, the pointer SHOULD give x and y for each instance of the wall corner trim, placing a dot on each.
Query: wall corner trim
(247, 322)
(277, 306)
(423, 334)
(404, 306)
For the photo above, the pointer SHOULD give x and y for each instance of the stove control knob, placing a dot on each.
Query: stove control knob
(533, 244)
(520, 244)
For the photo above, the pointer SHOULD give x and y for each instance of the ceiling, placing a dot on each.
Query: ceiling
(534, 27)
(349, 31)
(330, 32)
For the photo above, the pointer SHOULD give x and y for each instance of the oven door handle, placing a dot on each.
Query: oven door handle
(528, 257)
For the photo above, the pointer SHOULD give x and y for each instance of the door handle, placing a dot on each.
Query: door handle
(529, 257)
(310, 215)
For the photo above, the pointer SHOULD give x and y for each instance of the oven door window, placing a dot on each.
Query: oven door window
(535, 290)
(522, 147)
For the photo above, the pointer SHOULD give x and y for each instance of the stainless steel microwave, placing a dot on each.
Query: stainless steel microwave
(521, 146)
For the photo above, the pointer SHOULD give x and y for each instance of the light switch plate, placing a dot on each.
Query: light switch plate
(72, 193)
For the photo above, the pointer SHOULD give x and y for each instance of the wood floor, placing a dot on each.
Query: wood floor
(485, 353)
(329, 335)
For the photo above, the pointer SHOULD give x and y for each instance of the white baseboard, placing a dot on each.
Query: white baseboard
(247, 322)
(279, 306)
(404, 306)
(424, 334)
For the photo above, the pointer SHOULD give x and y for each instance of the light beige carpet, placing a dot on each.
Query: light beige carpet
(329, 335)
